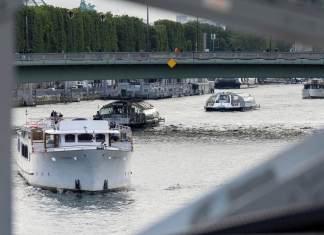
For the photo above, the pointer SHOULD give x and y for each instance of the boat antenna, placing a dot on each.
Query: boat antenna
(26, 114)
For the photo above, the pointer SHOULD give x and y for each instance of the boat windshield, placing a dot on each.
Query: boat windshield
(212, 99)
(223, 99)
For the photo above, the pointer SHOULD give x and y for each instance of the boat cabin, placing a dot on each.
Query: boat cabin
(314, 84)
(75, 134)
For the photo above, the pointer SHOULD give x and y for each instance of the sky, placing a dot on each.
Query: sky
(117, 7)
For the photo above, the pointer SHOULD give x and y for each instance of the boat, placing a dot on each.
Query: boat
(129, 113)
(74, 154)
(313, 89)
(229, 101)
(235, 83)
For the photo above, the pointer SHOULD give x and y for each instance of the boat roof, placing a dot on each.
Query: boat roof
(89, 131)
(232, 93)
(67, 125)
(82, 126)
(140, 104)
(315, 80)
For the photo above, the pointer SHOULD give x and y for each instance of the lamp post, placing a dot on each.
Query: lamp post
(197, 34)
(147, 27)
(213, 38)
(26, 26)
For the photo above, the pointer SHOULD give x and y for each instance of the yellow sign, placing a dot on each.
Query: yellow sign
(172, 63)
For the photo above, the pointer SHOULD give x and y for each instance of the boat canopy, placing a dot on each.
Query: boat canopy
(140, 105)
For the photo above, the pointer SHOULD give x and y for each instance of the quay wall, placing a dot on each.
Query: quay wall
(34, 96)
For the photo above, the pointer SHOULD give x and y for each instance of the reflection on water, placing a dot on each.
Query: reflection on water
(190, 154)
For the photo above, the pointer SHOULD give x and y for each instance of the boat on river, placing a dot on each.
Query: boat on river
(129, 113)
(77, 154)
(229, 101)
(313, 89)
(235, 83)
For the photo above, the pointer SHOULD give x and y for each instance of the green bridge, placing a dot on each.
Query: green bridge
(113, 66)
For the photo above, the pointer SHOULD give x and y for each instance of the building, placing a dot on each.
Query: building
(155, 88)
(87, 6)
(34, 2)
(298, 47)
(185, 19)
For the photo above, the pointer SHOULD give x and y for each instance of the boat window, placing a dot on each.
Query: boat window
(106, 111)
(37, 135)
(307, 86)
(212, 99)
(85, 138)
(18, 145)
(224, 98)
(50, 139)
(24, 151)
(235, 97)
(100, 138)
(69, 138)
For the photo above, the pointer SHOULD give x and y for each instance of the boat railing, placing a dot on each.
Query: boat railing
(125, 132)
(113, 146)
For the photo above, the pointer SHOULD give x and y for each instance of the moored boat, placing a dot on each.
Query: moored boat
(313, 89)
(75, 154)
(235, 83)
(130, 113)
(229, 101)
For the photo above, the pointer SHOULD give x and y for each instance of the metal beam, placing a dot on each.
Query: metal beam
(182, 71)
(115, 66)
(285, 19)
(7, 8)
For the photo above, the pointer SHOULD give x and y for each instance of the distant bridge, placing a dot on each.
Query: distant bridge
(114, 66)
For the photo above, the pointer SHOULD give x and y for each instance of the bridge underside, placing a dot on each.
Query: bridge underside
(155, 71)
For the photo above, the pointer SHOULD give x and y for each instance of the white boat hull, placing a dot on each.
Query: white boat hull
(78, 170)
(313, 93)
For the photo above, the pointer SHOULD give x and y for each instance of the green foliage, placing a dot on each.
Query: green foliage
(55, 30)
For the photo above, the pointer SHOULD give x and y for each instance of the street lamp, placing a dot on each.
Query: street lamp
(213, 38)
(147, 27)
(197, 34)
(26, 26)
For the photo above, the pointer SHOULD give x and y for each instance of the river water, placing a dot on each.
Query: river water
(190, 154)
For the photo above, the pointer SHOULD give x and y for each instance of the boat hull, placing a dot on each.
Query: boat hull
(227, 109)
(78, 170)
(313, 94)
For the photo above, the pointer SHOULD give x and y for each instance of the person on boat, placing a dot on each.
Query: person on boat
(53, 113)
(112, 125)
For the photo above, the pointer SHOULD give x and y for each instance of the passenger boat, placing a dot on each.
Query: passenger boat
(228, 101)
(75, 154)
(130, 113)
(235, 83)
(313, 89)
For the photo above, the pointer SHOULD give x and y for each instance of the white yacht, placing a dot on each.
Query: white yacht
(229, 101)
(313, 89)
(75, 154)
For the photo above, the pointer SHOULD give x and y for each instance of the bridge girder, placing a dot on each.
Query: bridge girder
(182, 71)
(115, 66)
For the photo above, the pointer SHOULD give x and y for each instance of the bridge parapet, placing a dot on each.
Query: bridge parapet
(162, 58)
